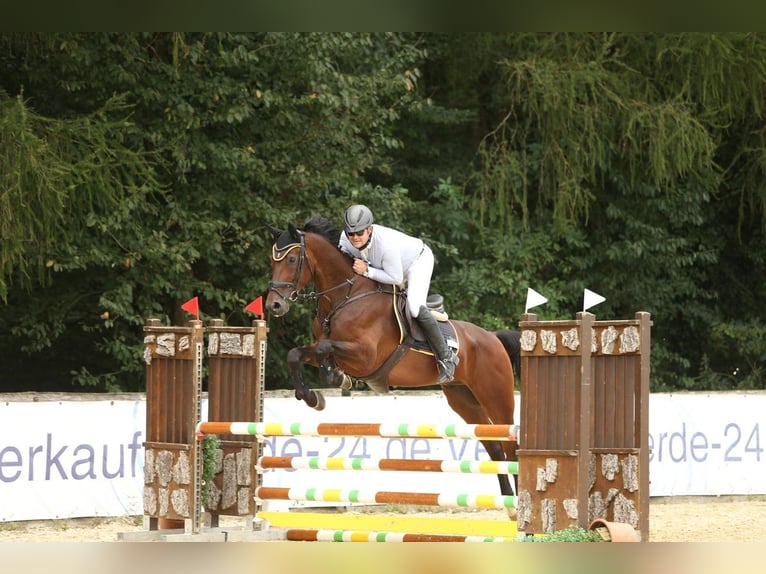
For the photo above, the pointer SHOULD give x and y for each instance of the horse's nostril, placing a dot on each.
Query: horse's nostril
(278, 308)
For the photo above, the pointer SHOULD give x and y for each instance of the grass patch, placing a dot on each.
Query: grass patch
(569, 534)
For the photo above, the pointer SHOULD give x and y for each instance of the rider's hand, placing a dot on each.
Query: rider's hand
(360, 266)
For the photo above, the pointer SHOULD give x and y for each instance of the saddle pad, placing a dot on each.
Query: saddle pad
(447, 330)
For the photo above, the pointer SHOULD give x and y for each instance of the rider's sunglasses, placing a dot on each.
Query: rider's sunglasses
(356, 233)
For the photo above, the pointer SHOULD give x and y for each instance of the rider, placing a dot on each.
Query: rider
(389, 256)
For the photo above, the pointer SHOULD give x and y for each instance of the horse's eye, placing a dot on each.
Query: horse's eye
(293, 259)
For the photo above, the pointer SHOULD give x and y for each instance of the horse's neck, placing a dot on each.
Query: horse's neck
(334, 278)
(331, 268)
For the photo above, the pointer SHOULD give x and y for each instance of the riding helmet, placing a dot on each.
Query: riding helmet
(357, 218)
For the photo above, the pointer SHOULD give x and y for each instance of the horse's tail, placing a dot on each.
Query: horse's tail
(511, 340)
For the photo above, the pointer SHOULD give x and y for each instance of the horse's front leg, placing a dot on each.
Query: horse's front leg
(315, 355)
(296, 357)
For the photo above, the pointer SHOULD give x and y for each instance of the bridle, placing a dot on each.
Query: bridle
(295, 294)
(279, 255)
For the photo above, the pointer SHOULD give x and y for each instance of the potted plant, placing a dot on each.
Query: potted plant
(613, 531)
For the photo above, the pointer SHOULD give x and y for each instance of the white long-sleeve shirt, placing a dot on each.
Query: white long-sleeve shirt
(395, 258)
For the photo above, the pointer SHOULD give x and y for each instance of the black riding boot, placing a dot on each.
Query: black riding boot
(446, 359)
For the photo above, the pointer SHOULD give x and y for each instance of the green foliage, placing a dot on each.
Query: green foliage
(579, 108)
(236, 130)
(744, 340)
(625, 163)
(568, 534)
(56, 172)
(210, 445)
(630, 164)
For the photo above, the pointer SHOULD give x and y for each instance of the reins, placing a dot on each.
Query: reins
(348, 300)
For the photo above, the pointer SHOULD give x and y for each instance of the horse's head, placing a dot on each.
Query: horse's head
(290, 268)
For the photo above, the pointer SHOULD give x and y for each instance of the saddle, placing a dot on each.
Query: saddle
(409, 327)
(411, 337)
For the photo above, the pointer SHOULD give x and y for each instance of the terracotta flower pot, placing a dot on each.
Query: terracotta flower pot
(614, 531)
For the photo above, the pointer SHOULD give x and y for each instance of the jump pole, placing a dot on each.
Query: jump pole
(459, 500)
(400, 523)
(394, 464)
(391, 430)
(326, 535)
(305, 526)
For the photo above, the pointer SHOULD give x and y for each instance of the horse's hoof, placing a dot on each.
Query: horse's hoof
(320, 402)
(512, 514)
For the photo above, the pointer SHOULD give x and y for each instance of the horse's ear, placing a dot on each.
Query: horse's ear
(275, 231)
(295, 233)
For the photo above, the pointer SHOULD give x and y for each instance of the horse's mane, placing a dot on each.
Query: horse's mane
(324, 227)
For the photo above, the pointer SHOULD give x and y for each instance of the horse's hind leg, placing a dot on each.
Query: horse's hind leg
(464, 403)
(333, 376)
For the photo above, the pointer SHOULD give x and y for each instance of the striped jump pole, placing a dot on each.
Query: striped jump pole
(503, 432)
(399, 464)
(325, 535)
(384, 497)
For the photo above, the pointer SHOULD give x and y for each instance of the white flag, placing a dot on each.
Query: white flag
(591, 299)
(533, 299)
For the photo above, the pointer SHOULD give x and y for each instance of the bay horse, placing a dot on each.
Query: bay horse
(359, 334)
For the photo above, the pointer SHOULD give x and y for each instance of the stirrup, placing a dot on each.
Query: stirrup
(346, 384)
(447, 368)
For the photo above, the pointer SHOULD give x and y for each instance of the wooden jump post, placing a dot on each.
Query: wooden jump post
(584, 432)
(173, 457)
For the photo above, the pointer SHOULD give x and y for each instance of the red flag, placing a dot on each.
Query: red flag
(192, 306)
(256, 306)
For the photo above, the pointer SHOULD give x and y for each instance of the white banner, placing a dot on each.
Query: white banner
(65, 459)
(707, 444)
(71, 459)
